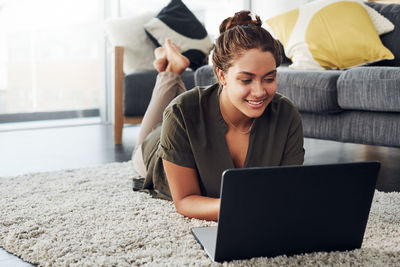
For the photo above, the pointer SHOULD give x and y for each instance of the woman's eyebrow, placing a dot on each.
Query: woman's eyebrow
(271, 72)
(252, 74)
(247, 73)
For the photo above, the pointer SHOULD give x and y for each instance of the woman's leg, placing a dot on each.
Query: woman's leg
(170, 64)
(168, 86)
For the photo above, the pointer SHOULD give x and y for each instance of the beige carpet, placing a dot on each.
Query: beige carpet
(91, 217)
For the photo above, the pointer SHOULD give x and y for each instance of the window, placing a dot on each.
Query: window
(212, 13)
(51, 55)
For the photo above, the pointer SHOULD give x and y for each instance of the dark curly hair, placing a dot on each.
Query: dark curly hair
(239, 34)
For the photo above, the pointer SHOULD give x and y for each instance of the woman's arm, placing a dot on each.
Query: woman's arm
(185, 190)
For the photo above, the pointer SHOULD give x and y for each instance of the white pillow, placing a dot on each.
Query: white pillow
(129, 33)
(331, 34)
(382, 25)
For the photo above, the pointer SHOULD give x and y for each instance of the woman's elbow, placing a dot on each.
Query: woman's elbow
(180, 207)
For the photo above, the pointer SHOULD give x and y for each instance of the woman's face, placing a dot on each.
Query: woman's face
(249, 84)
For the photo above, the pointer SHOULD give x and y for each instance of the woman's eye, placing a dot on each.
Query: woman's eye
(246, 81)
(270, 80)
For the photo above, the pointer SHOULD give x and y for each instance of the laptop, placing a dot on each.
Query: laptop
(288, 210)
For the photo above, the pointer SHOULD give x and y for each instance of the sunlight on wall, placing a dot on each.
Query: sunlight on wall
(268, 9)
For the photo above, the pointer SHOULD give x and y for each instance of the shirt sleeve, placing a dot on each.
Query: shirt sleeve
(294, 151)
(174, 141)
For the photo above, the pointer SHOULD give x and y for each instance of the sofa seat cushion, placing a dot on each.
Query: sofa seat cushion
(138, 88)
(311, 91)
(364, 127)
(370, 88)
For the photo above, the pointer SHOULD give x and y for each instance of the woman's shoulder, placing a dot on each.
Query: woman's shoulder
(283, 101)
(282, 105)
(193, 99)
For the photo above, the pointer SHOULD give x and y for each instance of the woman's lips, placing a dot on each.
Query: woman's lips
(255, 103)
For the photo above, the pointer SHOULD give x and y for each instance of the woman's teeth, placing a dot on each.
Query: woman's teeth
(255, 102)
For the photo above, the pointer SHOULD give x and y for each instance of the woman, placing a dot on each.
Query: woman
(238, 122)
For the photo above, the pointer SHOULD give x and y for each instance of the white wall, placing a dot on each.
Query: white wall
(269, 8)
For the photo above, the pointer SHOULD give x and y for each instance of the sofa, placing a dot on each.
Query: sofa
(360, 105)
(357, 105)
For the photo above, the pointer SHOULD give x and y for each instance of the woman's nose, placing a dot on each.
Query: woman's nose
(259, 90)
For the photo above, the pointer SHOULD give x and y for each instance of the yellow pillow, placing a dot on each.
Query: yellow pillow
(329, 34)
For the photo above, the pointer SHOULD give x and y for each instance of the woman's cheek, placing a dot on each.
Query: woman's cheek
(240, 92)
(272, 89)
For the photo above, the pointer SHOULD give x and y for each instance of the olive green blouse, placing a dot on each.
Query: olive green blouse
(193, 135)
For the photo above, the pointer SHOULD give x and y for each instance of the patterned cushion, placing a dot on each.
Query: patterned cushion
(178, 23)
(329, 34)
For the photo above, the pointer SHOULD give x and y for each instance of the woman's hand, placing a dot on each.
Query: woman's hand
(185, 190)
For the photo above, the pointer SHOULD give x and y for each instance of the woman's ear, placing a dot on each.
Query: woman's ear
(221, 76)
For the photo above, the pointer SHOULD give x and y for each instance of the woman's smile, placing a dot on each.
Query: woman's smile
(256, 104)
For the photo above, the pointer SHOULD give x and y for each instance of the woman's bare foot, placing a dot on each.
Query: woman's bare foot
(170, 59)
(176, 62)
(160, 63)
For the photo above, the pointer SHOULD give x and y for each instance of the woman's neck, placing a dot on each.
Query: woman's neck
(233, 117)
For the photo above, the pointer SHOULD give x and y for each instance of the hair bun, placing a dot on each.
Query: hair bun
(240, 18)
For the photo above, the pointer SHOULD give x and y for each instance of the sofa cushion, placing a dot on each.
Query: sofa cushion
(178, 23)
(370, 88)
(204, 76)
(331, 34)
(138, 88)
(129, 33)
(285, 60)
(312, 91)
(365, 127)
(392, 39)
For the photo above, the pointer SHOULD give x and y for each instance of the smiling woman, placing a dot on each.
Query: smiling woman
(253, 85)
(238, 122)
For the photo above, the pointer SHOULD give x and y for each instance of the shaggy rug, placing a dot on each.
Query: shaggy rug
(91, 217)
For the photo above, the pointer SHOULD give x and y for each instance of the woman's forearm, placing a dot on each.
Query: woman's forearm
(199, 207)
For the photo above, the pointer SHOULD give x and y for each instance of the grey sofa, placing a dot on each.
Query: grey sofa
(358, 105)
(138, 88)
